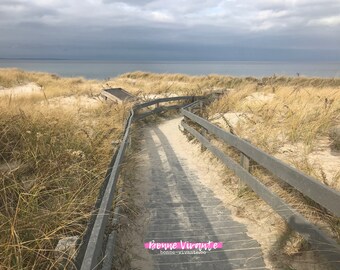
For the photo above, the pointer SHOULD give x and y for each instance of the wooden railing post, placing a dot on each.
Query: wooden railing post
(245, 163)
(204, 134)
(201, 106)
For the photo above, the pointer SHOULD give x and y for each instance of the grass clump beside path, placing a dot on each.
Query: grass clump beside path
(294, 122)
(53, 160)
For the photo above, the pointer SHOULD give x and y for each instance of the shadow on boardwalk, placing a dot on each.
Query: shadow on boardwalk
(183, 209)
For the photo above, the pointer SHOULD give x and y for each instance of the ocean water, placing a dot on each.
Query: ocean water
(109, 69)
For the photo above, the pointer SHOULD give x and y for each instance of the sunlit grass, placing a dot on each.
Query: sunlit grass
(52, 85)
(52, 162)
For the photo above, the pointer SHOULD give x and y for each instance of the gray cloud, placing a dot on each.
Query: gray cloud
(159, 29)
(130, 2)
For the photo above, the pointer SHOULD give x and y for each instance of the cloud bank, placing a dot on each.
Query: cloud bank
(171, 29)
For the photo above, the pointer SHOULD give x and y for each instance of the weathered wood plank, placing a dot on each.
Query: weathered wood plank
(182, 208)
(117, 94)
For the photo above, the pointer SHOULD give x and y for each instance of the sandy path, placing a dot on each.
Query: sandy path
(179, 205)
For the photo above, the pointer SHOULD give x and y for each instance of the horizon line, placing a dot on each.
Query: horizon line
(160, 60)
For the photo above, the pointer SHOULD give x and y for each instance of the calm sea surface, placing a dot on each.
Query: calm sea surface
(107, 69)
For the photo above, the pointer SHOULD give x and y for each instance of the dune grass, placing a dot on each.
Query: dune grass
(52, 163)
(52, 85)
(300, 118)
(144, 82)
(53, 158)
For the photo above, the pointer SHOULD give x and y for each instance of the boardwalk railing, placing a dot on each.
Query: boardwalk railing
(90, 253)
(308, 186)
(159, 108)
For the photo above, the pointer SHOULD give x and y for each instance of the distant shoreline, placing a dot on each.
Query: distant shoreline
(103, 69)
(167, 61)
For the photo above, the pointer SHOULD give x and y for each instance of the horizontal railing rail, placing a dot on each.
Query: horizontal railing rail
(308, 186)
(157, 110)
(91, 248)
(162, 100)
(95, 242)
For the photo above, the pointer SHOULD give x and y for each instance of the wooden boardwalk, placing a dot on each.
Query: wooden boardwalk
(181, 208)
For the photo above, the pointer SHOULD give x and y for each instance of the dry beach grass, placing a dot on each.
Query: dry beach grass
(54, 150)
(53, 158)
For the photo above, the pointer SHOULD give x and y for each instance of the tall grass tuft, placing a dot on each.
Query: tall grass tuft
(52, 162)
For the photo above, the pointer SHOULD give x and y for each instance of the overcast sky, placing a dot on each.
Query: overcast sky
(171, 29)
